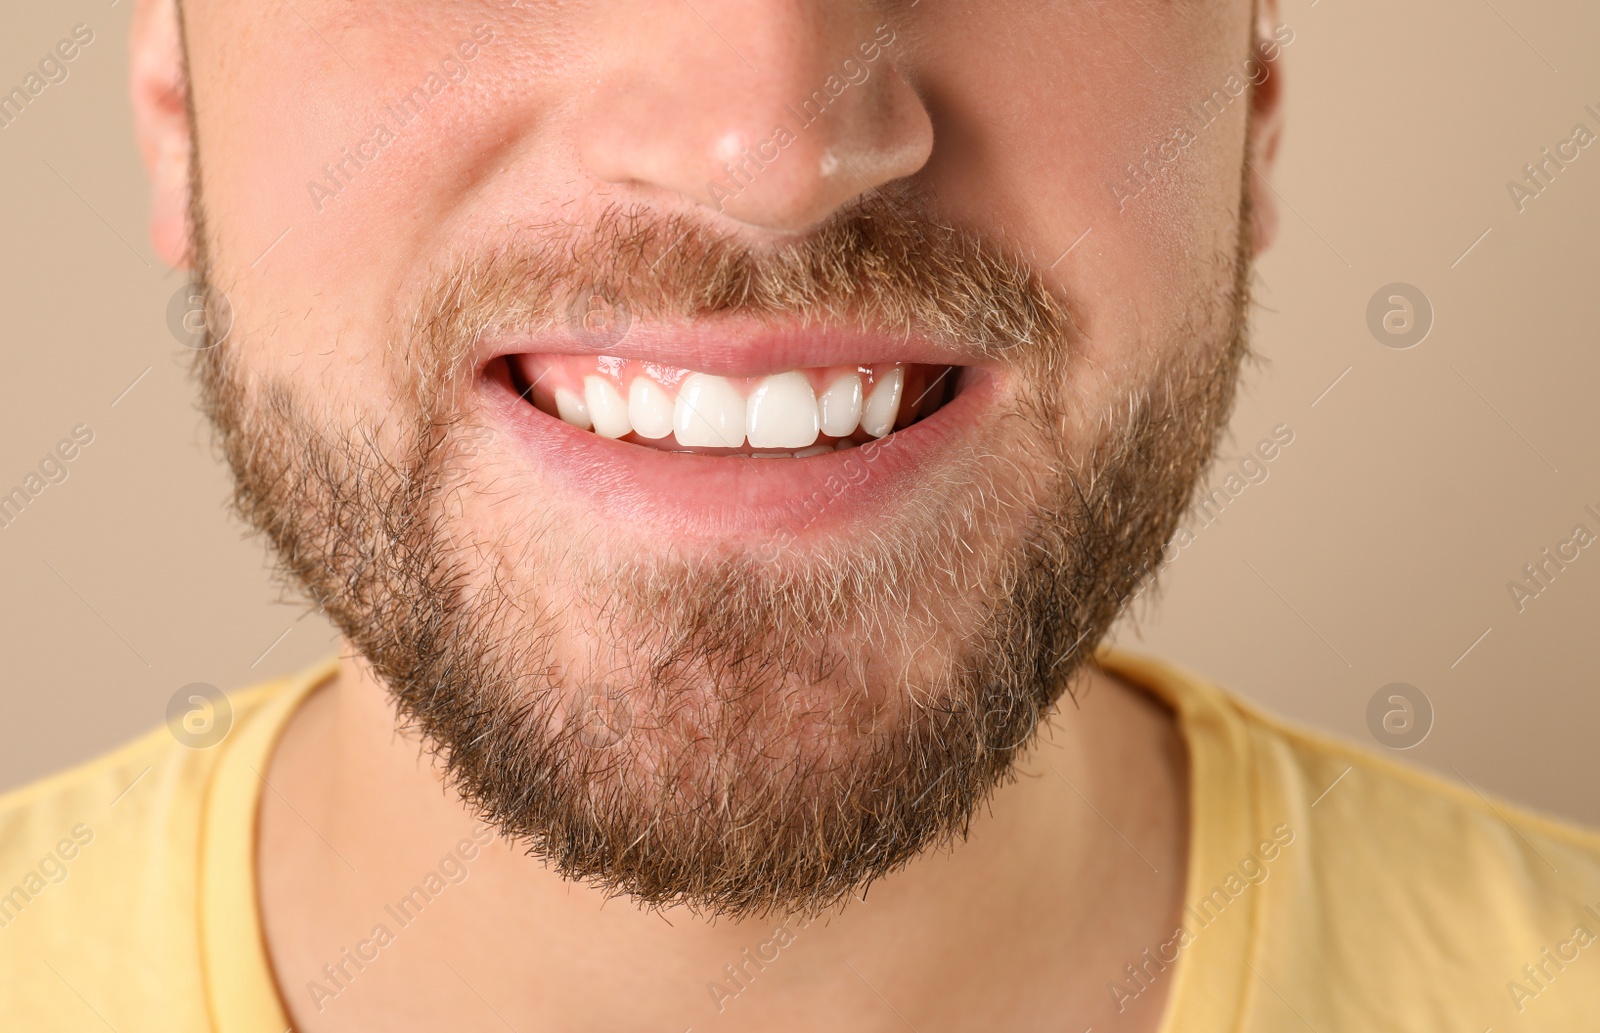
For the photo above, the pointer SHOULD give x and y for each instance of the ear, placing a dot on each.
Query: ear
(161, 122)
(1266, 120)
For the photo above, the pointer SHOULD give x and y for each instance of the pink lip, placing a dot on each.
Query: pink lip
(733, 346)
(764, 504)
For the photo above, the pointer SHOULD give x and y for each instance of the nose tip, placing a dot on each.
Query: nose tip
(814, 161)
(827, 118)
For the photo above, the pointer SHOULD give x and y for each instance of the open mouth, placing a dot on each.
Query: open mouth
(793, 414)
(654, 433)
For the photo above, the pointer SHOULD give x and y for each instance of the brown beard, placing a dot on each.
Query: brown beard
(742, 737)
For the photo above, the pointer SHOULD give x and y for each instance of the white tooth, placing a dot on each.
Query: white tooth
(883, 404)
(572, 410)
(709, 413)
(606, 407)
(649, 408)
(782, 412)
(814, 450)
(841, 406)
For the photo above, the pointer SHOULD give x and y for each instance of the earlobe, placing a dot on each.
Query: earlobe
(1266, 122)
(161, 121)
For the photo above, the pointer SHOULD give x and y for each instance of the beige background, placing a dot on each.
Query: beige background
(1377, 551)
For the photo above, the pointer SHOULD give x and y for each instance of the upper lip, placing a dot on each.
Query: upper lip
(732, 346)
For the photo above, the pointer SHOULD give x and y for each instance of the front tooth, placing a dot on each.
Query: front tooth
(606, 407)
(840, 406)
(782, 413)
(572, 410)
(883, 404)
(709, 413)
(649, 408)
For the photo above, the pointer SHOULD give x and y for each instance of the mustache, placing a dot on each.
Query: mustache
(884, 263)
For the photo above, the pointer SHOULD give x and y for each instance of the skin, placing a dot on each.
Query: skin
(578, 104)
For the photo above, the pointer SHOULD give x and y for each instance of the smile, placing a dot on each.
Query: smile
(795, 413)
(663, 428)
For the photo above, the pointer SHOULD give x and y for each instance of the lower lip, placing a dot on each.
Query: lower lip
(720, 499)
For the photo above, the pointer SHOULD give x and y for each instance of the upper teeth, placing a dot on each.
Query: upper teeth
(650, 411)
(607, 410)
(839, 408)
(783, 411)
(883, 404)
(573, 409)
(709, 413)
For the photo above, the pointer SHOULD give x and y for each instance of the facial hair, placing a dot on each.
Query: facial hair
(738, 737)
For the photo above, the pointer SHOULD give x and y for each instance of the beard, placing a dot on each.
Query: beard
(742, 731)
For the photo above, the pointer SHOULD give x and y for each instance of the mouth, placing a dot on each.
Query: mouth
(791, 414)
(727, 433)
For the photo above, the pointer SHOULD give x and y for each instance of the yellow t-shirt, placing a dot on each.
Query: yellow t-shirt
(1329, 889)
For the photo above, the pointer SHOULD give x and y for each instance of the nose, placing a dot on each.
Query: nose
(772, 112)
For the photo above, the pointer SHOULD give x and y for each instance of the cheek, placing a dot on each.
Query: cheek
(331, 158)
(1045, 131)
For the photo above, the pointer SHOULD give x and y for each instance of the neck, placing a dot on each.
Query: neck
(1069, 873)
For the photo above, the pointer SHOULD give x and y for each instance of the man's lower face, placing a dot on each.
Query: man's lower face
(724, 577)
